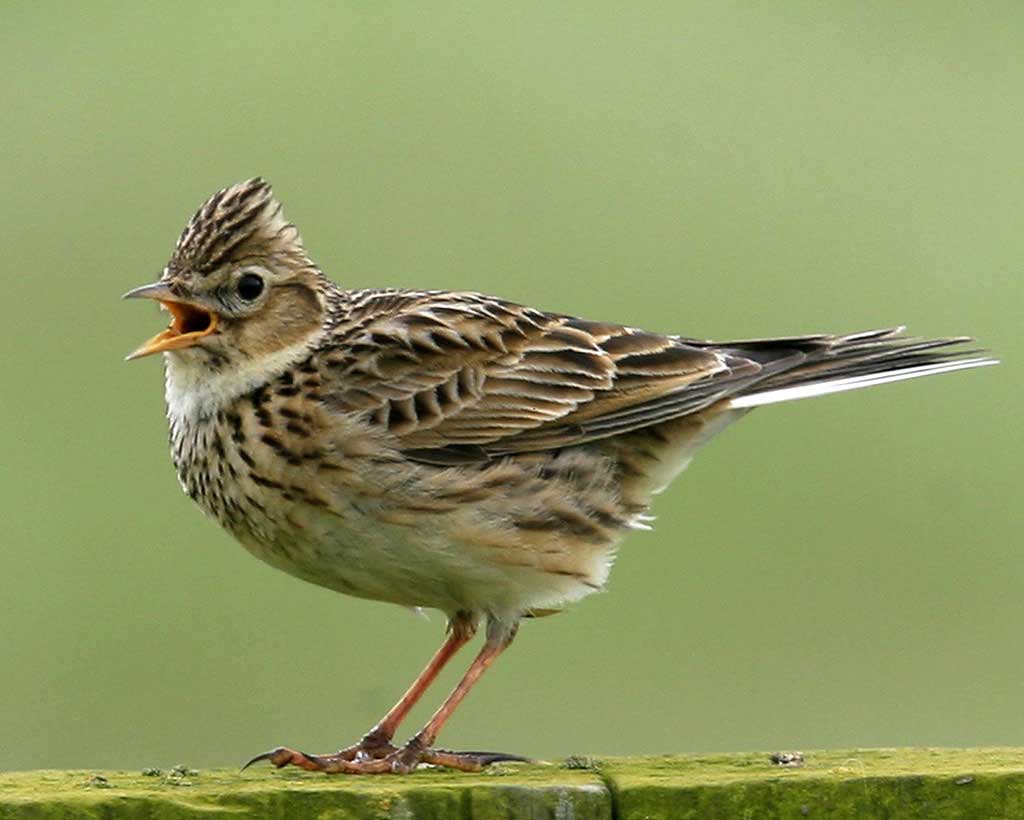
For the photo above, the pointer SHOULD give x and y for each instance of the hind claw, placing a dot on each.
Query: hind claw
(282, 756)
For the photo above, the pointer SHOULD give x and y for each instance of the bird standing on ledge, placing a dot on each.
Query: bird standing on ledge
(445, 450)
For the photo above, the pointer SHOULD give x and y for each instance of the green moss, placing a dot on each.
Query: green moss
(502, 792)
(879, 783)
(882, 783)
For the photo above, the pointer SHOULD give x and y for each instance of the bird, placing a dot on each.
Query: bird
(446, 450)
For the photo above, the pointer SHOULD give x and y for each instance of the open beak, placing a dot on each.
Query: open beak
(189, 321)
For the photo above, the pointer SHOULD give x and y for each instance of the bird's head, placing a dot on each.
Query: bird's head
(240, 288)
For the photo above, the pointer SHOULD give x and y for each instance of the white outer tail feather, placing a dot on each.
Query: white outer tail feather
(824, 387)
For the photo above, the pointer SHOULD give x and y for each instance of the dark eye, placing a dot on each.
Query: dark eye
(250, 286)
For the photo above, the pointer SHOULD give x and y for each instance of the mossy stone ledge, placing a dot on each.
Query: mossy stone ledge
(860, 783)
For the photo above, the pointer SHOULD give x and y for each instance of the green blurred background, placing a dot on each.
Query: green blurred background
(839, 572)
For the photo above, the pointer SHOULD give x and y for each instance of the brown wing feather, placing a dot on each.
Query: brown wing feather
(457, 377)
(460, 377)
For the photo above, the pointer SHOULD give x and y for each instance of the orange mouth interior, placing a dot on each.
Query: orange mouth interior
(189, 324)
(187, 319)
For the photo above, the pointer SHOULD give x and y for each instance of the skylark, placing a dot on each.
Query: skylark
(445, 450)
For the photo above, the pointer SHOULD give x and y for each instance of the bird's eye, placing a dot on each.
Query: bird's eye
(250, 286)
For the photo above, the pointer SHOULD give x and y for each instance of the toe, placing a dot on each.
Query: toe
(470, 761)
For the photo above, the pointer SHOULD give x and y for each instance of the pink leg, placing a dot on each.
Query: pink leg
(376, 755)
(460, 631)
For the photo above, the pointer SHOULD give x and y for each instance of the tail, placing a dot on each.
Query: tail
(805, 366)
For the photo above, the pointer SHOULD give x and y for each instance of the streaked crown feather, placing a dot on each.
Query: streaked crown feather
(240, 222)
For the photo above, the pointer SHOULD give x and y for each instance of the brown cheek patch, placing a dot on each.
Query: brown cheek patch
(290, 314)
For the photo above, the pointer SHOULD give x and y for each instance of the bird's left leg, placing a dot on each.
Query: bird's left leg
(377, 742)
(418, 750)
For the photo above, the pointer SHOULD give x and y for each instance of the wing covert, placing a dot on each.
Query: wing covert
(459, 377)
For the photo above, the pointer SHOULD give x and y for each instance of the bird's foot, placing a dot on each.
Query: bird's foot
(383, 759)
(374, 746)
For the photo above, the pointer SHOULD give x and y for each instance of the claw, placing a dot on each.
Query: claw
(282, 756)
(261, 757)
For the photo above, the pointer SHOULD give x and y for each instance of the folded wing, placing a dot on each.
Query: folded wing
(457, 377)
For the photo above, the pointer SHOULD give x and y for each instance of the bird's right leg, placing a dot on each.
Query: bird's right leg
(377, 742)
(418, 750)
